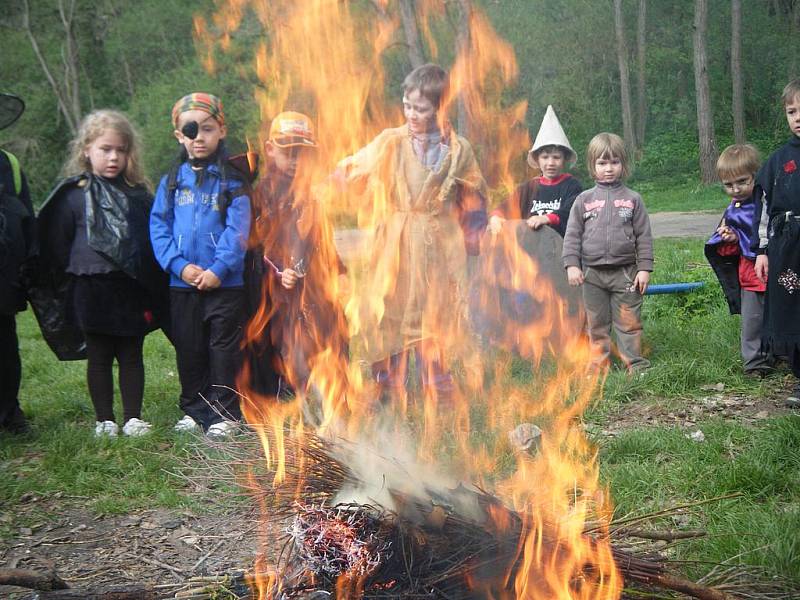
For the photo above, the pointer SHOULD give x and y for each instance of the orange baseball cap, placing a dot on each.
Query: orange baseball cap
(292, 129)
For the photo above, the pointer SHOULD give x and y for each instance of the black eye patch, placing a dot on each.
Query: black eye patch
(191, 129)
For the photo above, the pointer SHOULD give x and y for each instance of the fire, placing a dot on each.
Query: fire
(327, 58)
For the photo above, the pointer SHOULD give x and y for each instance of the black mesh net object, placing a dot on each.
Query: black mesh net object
(11, 107)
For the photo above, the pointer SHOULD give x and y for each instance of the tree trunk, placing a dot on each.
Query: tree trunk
(641, 31)
(736, 71)
(624, 81)
(794, 69)
(65, 99)
(409, 19)
(705, 118)
(462, 46)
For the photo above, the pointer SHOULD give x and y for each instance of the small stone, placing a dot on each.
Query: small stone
(148, 525)
(190, 540)
(696, 436)
(762, 414)
(526, 437)
(25, 531)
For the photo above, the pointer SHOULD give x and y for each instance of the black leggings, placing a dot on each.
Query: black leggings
(102, 350)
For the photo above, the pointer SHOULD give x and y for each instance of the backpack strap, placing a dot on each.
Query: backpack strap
(15, 171)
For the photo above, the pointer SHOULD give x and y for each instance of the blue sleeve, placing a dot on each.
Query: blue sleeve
(229, 255)
(162, 218)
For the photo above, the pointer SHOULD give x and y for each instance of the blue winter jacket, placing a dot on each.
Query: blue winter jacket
(188, 229)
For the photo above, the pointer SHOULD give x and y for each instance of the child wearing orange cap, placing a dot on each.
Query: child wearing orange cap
(199, 227)
(291, 259)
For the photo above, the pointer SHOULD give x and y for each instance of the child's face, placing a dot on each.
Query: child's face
(420, 113)
(792, 110)
(209, 134)
(286, 159)
(551, 163)
(607, 169)
(108, 154)
(739, 187)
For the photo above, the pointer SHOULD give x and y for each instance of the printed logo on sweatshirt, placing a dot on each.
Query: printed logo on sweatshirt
(184, 197)
(623, 203)
(594, 205)
(543, 208)
(209, 199)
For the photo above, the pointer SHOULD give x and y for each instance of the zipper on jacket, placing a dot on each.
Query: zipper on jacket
(608, 225)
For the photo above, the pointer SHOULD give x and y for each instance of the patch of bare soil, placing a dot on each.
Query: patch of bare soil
(686, 413)
(97, 552)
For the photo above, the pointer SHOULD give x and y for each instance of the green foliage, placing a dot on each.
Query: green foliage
(140, 57)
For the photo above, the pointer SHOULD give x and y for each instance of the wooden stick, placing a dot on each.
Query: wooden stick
(116, 593)
(33, 580)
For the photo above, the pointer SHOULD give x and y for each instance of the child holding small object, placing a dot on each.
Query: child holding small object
(730, 255)
(545, 200)
(608, 249)
(293, 314)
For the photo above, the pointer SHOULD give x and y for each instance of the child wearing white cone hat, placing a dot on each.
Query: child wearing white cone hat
(548, 198)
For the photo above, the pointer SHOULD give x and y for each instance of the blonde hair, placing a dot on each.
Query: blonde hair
(92, 127)
(737, 160)
(607, 145)
(790, 92)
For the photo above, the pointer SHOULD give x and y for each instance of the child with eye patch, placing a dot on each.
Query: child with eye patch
(199, 227)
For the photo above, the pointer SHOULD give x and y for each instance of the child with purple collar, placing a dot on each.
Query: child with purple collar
(728, 251)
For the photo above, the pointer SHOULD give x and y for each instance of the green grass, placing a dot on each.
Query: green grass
(684, 197)
(691, 340)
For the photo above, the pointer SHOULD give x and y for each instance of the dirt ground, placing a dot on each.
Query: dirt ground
(169, 547)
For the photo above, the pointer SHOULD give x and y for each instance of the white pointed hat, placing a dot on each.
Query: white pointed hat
(551, 134)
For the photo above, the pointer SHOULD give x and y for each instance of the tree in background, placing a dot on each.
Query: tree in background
(641, 93)
(66, 87)
(705, 117)
(736, 71)
(624, 80)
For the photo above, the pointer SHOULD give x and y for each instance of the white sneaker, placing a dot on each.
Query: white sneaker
(136, 427)
(105, 428)
(187, 423)
(222, 429)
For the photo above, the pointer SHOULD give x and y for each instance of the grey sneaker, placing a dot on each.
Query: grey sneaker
(105, 428)
(222, 429)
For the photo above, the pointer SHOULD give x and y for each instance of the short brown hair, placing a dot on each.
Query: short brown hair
(432, 82)
(607, 145)
(790, 92)
(738, 160)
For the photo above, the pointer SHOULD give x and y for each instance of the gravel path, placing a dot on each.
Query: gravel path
(664, 224)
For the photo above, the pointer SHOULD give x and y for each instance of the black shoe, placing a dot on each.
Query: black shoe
(758, 373)
(16, 424)
(793, 400)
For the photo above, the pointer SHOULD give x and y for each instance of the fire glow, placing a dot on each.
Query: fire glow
(326, 58)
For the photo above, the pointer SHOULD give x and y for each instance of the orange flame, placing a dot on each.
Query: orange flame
(327, 58)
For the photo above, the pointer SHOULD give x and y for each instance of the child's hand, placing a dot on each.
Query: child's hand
(289, 278)
(190, 274)
(537, 221)
(207, 280)
(727, 234)
(574, 276)
(762, 267)
(640, 282)
(496, 224)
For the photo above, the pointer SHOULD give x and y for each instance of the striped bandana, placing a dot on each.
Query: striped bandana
(198, 101)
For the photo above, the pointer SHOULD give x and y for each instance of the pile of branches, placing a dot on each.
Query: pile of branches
(429, 545)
